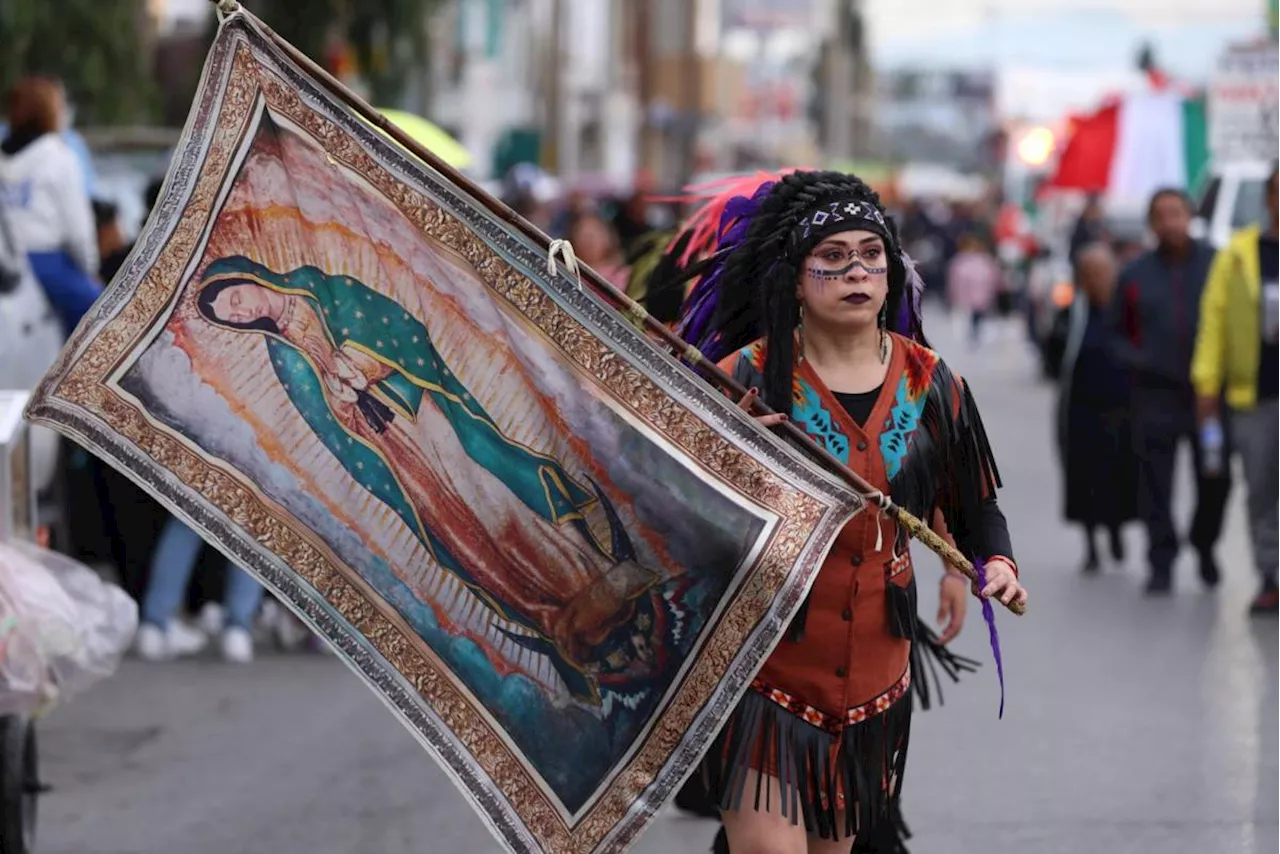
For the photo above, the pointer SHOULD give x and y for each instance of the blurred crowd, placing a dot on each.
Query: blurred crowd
(1167, 347)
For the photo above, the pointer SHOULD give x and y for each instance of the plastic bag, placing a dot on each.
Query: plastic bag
(62, 628)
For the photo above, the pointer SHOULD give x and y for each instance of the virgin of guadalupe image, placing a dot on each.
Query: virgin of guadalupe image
(507, 520)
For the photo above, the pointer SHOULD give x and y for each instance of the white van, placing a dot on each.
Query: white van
(1232, 198)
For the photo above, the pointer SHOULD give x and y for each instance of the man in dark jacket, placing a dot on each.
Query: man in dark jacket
(1154, 317)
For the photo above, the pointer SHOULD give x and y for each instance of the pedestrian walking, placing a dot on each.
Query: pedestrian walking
(1237, 355)
(974, 282)
(1098, 466)
(1154, 318)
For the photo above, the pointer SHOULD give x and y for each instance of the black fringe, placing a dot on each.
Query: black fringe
(928, 654)
(889, 838)
(928, 657)
(950, 465)
(869, 766)
(930, 660)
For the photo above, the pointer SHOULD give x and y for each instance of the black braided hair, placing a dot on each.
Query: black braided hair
(666, 284)
(767, 257)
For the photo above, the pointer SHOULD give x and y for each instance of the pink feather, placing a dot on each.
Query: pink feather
(714, 197)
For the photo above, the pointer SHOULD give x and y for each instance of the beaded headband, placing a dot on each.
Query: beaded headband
(832, 217)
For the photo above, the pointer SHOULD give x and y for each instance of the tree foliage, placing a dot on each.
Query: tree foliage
(387, 38)
(98, 49)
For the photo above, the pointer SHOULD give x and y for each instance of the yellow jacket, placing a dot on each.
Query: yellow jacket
(1230, 334)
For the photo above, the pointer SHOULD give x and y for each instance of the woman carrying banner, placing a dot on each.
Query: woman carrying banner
(813, 758)
(661, 278)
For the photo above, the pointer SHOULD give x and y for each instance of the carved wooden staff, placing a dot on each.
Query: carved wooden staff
(631, 309)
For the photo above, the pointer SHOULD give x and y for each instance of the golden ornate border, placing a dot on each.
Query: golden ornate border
(100, 346)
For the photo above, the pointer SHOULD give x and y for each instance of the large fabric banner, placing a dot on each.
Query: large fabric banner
(555, 553)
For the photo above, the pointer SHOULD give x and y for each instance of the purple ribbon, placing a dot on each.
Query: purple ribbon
(989, 614)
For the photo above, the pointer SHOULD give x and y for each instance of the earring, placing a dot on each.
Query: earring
(883, 321)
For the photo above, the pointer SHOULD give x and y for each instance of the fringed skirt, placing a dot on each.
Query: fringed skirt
(865, 758)
(840, 782)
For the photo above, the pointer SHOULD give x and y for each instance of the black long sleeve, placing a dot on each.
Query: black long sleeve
(989, 536)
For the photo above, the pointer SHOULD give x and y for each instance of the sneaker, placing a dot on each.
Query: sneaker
(153, 643)
(237, 645)
(212, 618)
(1267, 601)
(150, 643)
(268, 614)
(184, 640)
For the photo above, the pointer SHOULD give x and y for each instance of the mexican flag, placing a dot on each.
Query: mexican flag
(1135, 145)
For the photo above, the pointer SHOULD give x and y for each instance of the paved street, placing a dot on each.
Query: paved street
(1131, 725)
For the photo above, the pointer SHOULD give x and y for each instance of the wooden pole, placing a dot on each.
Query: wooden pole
(629, 308)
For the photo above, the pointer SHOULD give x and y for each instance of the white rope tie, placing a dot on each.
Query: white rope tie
(882, 502)
(564, 249)
(225, 8)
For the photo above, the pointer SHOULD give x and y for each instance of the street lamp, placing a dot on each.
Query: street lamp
(1035, 146)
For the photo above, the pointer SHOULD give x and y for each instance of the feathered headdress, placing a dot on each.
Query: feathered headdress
(685, 274)
(719, 227)
(715, 230)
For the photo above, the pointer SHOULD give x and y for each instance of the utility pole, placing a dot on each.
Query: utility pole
(838, 97)
(642, 45)
(691, 114)
(554, 91)
(853, 85)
